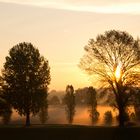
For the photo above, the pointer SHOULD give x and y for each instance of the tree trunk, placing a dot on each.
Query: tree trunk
(121, 107)
(28, 119)
(121, 117)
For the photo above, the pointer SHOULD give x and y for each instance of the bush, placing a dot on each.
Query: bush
(108, 117)
(133, 116)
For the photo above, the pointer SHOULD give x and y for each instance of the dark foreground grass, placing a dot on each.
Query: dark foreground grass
(66, 132)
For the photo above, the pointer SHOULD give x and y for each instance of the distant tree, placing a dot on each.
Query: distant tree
(5, 107)
(92, 103)
(5, 111)
(54, 100)
(43, 114)
(115, 58)
(6, 116)
(81, 96)
(26, 75)
(108, 117)
(69, 100)
(137, 104)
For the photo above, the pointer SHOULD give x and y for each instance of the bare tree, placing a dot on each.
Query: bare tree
(115, 58)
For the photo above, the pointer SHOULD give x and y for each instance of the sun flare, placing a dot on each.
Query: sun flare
(118, 72)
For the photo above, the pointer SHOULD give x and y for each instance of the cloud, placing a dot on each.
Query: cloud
(129, 7)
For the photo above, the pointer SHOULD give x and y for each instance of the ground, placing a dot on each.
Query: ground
(67, 132)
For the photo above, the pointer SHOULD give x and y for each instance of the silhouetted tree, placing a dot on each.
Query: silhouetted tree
(5, 107)
(81, 96)
(108, 117)
(43, 114)
(6, 116)
(54, 100)
(133, 117)
(115, 58)
(5, 111)
(92, 103)
(69, 100)
(137, 103)
(26, 76)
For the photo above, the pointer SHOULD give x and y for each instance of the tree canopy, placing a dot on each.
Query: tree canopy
(26, 75)
(115, 57)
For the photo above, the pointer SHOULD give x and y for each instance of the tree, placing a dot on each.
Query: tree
(115, 58)
(43, 114)
(92, 103)
(54, 100)
(108, 117)
(137, 103)
(81, 96)
(5, 107)
(26, 75)
(5, 111)
(69, 100)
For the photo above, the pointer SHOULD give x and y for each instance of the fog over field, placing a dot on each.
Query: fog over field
(57, 115)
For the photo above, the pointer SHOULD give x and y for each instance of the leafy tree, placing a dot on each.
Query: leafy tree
(92, 103)
(5, 107)
(69, 100)
(114, 57)
(54, 100)
(133, 116)
(137, 103)
(43, 114)
(108, 117)
(5, 111)
(81, 96)
(26, 75)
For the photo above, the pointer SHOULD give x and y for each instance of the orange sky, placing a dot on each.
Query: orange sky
(61, 30)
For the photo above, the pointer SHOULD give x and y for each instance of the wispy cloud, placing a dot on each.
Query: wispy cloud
(113, 8)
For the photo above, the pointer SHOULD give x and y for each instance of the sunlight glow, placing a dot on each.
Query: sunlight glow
(118, 72)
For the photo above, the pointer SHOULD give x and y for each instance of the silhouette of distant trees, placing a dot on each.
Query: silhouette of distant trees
(43, 114)
(26, 76)
(136, 101)
(92, 103)
(108, 118)
(81, 96)
(115, 58)
(5, 111)
(5, 107)
(54, 100)
(69, 101)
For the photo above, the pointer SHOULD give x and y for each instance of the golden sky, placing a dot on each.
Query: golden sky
(60, 30)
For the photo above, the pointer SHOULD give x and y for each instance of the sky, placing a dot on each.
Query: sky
(61, 29)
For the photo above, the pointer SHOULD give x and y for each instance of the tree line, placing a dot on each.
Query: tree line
(113, 58)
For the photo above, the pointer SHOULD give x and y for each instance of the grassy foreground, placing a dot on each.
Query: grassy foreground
(66, 132)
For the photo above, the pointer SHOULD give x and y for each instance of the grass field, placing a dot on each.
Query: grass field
(67, 132)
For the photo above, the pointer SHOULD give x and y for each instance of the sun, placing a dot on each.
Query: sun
(118, 72)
